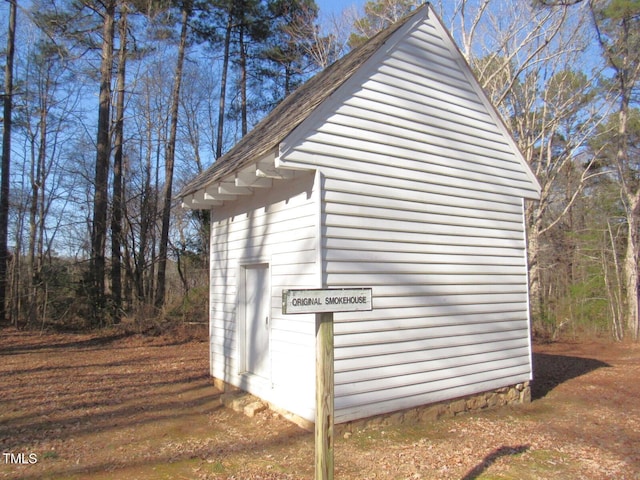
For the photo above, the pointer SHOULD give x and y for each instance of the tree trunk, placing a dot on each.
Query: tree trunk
(36, 209)
(632, 203)
(243, 84)
(100, 199)
(533, 246)
(118, 201)
(6, 159)
(169, 160)
(631, 267)
(223, 85)
(148, 207)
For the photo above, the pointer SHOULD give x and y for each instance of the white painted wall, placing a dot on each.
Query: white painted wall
(277, 226)
(422, 193)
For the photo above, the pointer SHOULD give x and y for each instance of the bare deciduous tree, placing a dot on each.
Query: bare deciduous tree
(618, 32)
(118, 194)
(185, 12)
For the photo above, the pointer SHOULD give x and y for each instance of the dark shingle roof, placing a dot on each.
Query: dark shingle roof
(292, 111)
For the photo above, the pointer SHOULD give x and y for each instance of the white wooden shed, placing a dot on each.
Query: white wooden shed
(391, 170)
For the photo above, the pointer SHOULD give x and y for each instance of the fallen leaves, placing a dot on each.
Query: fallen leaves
(97, 407)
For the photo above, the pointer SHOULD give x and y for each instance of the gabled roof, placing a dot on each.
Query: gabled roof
(264, 140)
(292, 111)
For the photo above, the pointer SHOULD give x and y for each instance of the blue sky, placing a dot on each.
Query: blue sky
(337, 6)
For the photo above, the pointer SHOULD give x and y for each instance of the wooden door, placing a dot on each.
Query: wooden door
(257, 310)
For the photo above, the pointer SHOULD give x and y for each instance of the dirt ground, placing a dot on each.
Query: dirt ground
(114, 407)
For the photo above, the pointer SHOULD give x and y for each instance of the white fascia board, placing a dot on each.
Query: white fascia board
(490, 107)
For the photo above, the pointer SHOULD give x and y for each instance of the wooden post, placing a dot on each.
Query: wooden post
(324, 396)
(323, 302)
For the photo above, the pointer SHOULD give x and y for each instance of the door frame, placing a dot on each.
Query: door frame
(241, 319)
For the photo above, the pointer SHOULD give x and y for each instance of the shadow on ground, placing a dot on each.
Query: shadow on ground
(35, 343)
(549, 371)
(492, 458)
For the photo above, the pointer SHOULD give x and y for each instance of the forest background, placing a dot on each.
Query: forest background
(110, 106)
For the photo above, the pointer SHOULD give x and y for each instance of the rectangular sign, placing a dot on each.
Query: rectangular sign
(326, 300)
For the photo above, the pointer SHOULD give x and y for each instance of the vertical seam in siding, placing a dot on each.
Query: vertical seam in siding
(320, 251)
(526, 271)
(210, 312)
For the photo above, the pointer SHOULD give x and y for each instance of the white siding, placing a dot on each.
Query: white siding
(278, 227)
(422, 194)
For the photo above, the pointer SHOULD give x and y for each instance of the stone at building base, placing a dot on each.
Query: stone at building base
(243, 402)
(250, 405)
(516, 394)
